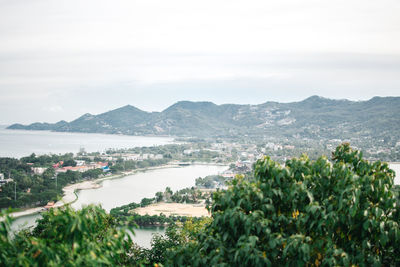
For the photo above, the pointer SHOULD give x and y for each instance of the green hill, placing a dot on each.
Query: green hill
(314, 117)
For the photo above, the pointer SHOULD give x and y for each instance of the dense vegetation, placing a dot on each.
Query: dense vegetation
(211, 181)
(342, 212)
(64, 237)
(176, 236)
(308, 212)
(28, 189)
(128, 165)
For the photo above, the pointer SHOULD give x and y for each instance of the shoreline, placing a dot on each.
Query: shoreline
(5, 127)
(70, 191)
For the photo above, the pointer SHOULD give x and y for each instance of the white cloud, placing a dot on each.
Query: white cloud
(72, 53)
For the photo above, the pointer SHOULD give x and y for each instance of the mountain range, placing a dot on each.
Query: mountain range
(314, 117)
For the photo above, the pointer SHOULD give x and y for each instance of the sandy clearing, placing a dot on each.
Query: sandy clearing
(174, 209)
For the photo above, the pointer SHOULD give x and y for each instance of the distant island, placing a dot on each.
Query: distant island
(314, 118)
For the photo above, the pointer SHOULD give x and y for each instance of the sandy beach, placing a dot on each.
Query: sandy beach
(174, 209)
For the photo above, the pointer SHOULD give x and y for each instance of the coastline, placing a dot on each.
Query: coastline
(70, 191)
(68, 198)
(6, 127)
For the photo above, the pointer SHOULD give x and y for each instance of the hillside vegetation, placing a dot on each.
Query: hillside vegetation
(315, 117)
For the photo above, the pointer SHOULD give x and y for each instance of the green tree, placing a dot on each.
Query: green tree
(69, 162)
(175, 237)
(65, 237)
(319, 212)
(159, 196)
(49, 173)
(146, 201)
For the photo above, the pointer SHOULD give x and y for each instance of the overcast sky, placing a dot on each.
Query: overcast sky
(61, 59)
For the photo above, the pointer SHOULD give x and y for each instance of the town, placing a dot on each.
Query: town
(35, 180)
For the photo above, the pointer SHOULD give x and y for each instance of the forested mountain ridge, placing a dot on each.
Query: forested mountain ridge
(312, 118)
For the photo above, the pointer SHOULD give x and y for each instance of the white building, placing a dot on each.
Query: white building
(38, 170)
(80, 162)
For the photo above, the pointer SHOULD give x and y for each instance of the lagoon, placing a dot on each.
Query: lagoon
(133, 188)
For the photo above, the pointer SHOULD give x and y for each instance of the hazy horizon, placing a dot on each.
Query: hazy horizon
(62, 59)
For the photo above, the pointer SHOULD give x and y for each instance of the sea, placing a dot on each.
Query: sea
(20, 143)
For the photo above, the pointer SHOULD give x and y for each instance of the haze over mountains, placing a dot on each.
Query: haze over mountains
(314, 117)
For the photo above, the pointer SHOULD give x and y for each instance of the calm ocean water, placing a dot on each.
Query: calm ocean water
(19, 143)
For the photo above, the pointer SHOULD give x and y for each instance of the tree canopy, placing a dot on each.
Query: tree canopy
(65, 237)
(338, 213)
(343, 212)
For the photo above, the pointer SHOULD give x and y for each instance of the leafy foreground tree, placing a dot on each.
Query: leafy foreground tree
(308, 213)
(176, 236)
(65, 237)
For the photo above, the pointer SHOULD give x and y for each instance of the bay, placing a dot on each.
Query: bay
(21, 143)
